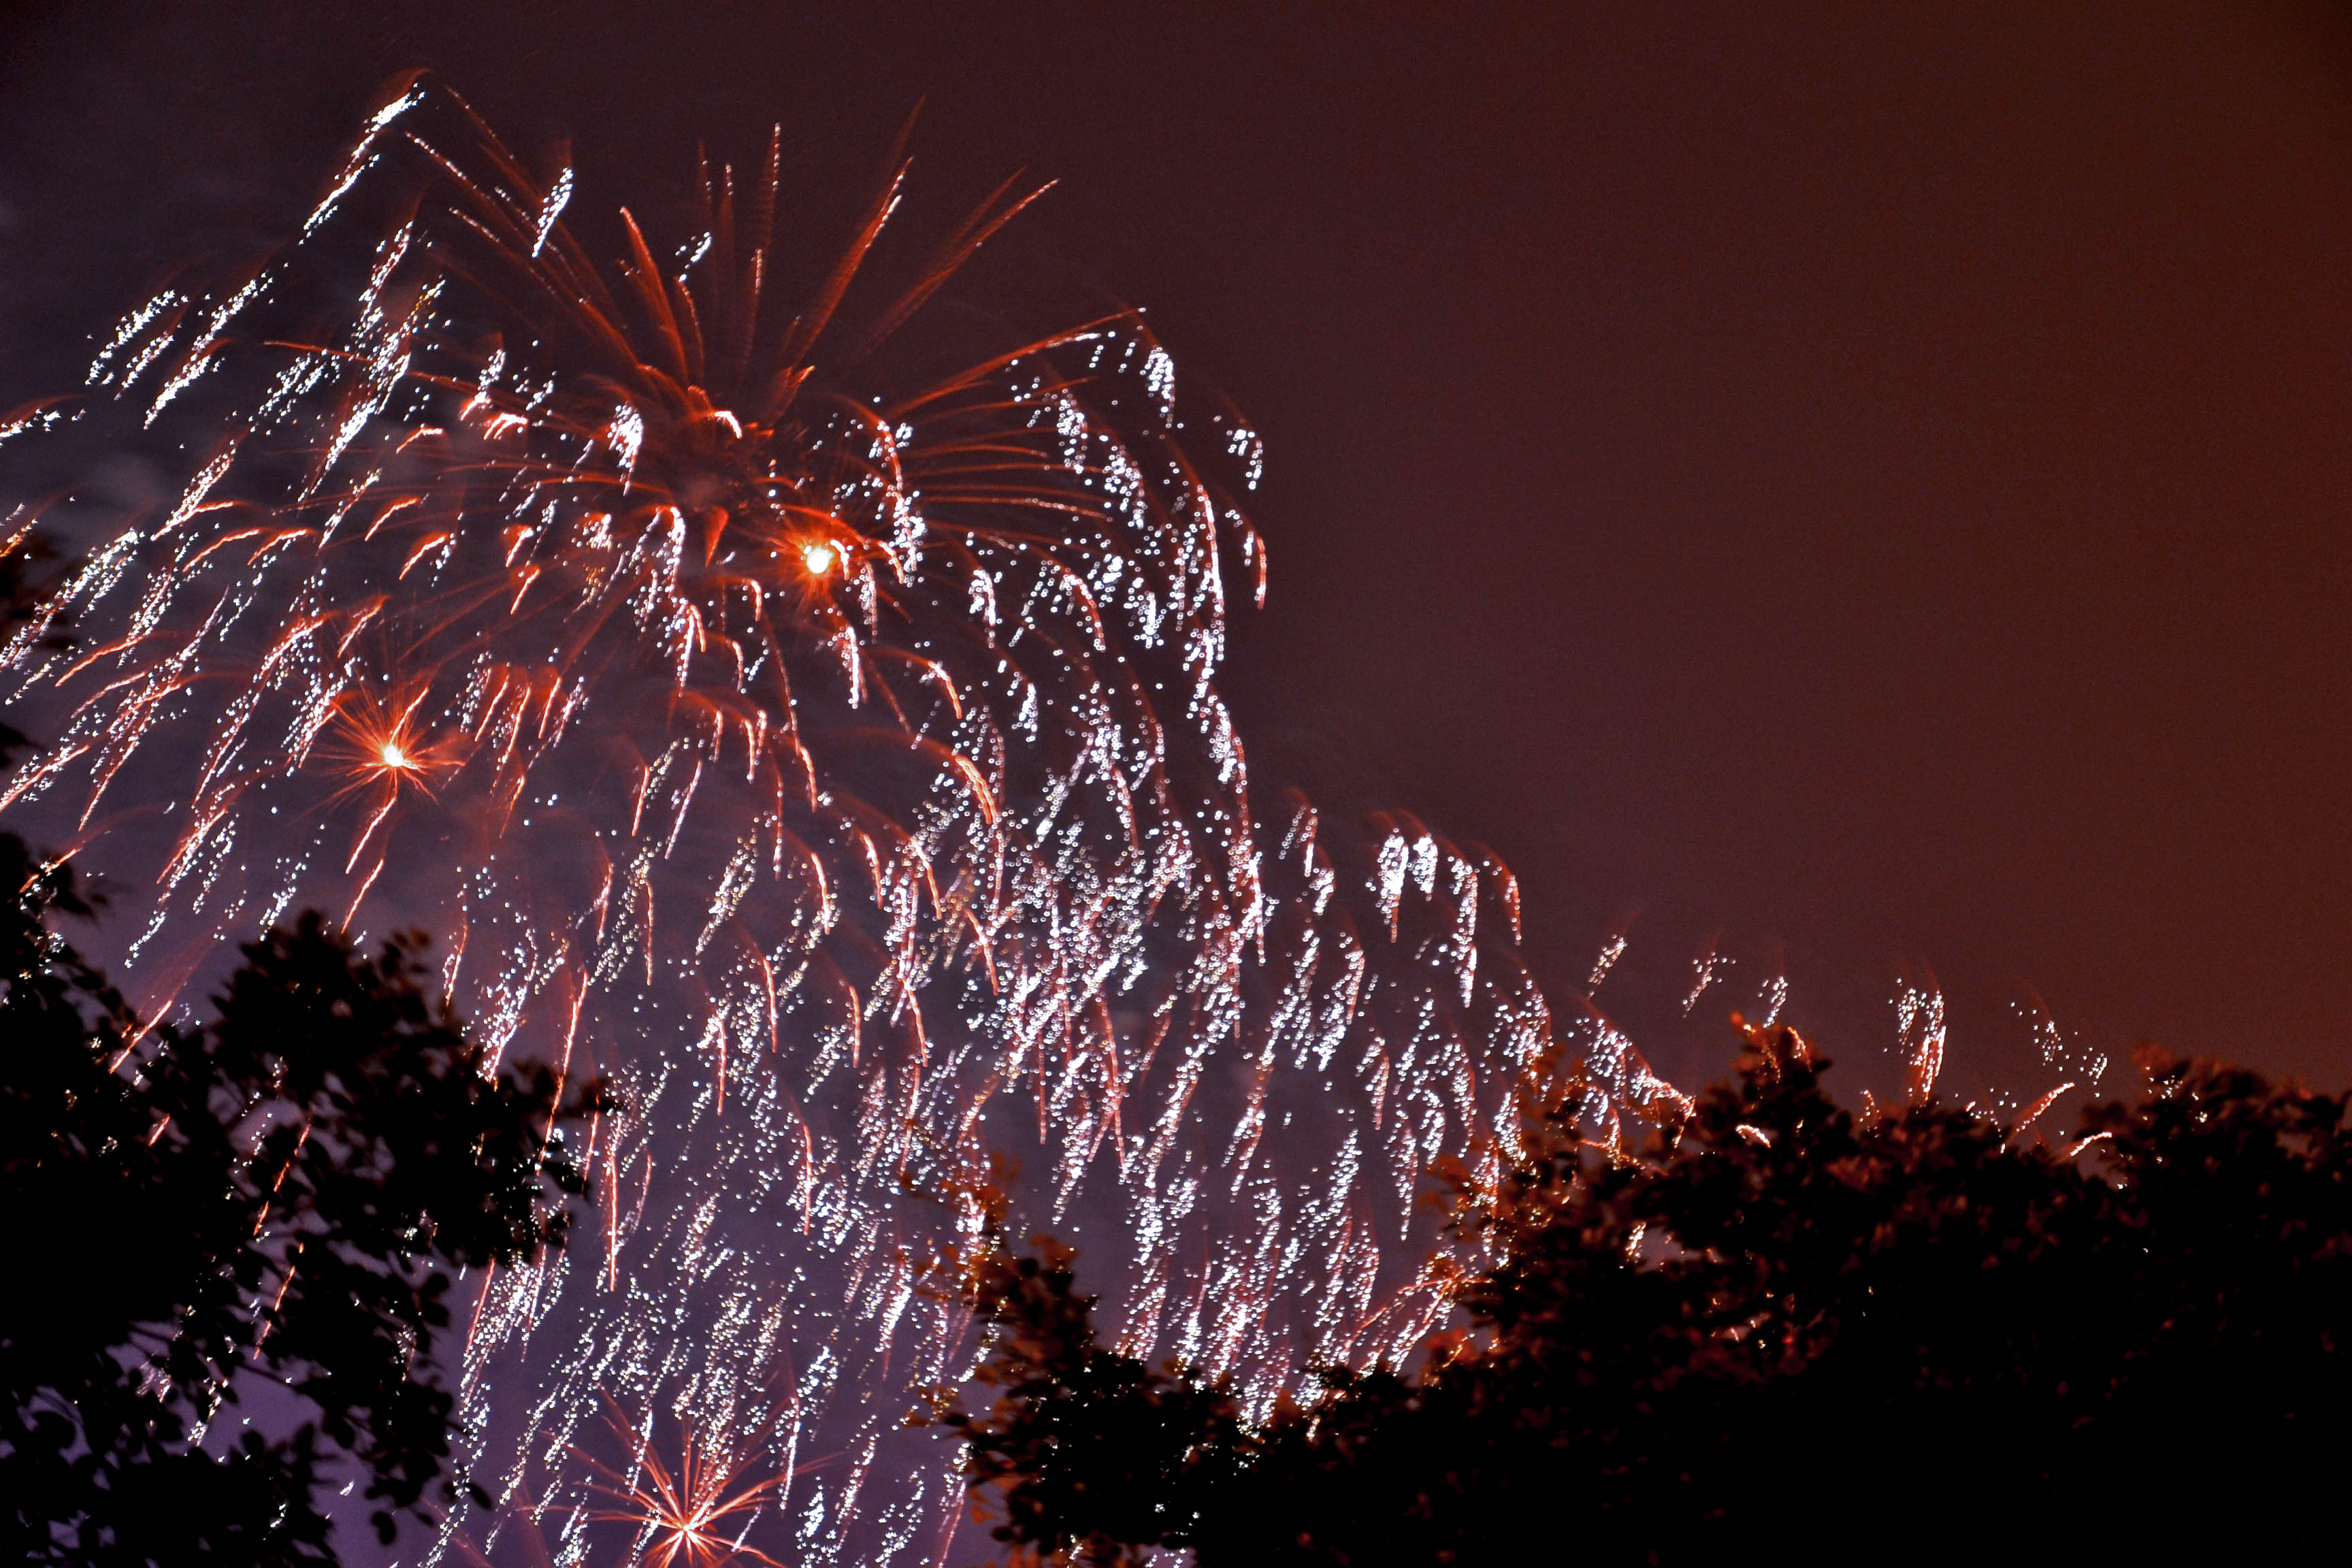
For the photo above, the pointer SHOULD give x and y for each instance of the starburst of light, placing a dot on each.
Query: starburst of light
(692, 1515)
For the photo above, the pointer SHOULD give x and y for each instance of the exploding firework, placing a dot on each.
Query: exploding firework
(691, 1515)
(810, 723)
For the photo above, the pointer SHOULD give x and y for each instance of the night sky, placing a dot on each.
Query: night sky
(1870, 493)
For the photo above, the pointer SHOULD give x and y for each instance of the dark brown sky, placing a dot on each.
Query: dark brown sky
(1875, 488)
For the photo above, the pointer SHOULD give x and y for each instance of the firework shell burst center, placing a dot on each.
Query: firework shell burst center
(824, 746)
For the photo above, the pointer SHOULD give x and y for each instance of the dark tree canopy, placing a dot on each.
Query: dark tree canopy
(1784, 1330)
(261, 1212)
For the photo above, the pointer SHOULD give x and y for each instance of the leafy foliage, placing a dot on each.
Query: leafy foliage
(1092, 1451)
(1785, 1326)
(262, 1211)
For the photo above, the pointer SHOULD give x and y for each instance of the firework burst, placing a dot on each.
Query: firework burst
(693, 1515)
(814, 730)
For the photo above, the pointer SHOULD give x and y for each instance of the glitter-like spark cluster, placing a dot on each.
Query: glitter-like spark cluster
(815, 729)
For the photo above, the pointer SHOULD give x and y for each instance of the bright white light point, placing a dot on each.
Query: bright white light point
(394, 757)
(818, 557)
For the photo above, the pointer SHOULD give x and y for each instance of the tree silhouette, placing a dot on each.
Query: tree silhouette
(259, 1214)
(1782, 1328)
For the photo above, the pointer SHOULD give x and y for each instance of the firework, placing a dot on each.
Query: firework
(694, 1514)
(814, 729)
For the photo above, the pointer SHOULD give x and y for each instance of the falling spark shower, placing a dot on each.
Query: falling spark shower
(800, 708)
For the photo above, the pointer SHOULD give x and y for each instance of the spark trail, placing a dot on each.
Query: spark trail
(809, 720)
